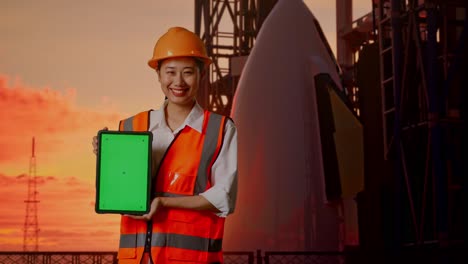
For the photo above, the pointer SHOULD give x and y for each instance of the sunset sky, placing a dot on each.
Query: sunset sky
(67, 69)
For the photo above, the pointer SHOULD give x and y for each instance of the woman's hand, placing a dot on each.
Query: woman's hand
(196, 202)
(96, 143)
(155, 205)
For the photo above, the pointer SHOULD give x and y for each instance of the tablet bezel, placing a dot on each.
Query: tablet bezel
(98, 208)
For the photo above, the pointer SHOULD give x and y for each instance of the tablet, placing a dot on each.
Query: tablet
(123, 174)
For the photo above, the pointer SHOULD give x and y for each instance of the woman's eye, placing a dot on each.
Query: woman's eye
(188, 72)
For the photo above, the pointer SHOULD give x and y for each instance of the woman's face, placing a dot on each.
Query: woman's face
(179, 78)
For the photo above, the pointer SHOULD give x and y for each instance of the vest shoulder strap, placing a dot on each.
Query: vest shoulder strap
(138, 122)
(214, 134)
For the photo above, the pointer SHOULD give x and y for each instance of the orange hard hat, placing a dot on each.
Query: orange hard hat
(178, 42)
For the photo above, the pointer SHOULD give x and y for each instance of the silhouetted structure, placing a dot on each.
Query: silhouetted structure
(31, 226)
(412, 78)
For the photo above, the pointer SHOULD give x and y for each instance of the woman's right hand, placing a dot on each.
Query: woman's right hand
(96, 142)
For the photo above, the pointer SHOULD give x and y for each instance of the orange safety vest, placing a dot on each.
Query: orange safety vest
(178, 235)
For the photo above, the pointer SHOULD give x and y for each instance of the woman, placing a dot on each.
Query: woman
(195, 156)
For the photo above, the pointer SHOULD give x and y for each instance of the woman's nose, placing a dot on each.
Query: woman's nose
(179, 80)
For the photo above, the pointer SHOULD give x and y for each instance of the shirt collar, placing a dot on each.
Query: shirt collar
(193, 120)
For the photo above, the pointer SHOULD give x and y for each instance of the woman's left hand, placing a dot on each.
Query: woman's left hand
(155, 204)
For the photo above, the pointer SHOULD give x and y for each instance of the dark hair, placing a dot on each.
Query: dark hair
(198, 62)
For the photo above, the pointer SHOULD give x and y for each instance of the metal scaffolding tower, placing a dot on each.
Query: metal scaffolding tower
(228, 28)
(31, 226)
(421, 46)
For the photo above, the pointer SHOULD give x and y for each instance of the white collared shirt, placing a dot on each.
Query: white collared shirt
(223, 192)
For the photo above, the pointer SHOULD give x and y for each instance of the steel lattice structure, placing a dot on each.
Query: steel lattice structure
(31, 226)
(228, 28)
(420, 50)
(415, 106)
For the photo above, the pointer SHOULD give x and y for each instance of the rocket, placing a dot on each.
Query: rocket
(300, 155)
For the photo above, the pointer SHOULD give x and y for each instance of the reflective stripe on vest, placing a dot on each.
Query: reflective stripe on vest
(172, 240)
(208, 153)
(130, 241)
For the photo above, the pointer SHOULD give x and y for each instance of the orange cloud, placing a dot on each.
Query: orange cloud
(66, 215)
(50, 115)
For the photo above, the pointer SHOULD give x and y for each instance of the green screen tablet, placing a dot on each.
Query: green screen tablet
(123, 175)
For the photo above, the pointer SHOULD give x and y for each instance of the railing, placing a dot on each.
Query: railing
(427, 256)
(20, 257)
(239, 257)
(304, 257)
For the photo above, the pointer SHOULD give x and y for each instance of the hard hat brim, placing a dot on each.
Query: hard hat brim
(153, 63)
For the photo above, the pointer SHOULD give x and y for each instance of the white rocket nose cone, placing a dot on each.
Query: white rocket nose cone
(280, 173)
